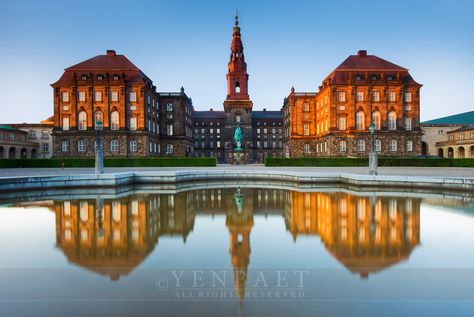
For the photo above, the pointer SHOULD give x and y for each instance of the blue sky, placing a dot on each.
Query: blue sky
(186, 43)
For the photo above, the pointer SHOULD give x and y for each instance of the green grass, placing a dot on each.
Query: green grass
(109, 162)
(362, 161)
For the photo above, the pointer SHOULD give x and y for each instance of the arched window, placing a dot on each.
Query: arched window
(393, 145)
(237, 87)
(114, 120)
(81, 146)
(99, 120)
(82, 120)
(376, 119)
(392, 120)
(361, 145)
(114, 145)
(237, 117)
(342, 146)
(409, 146)
(341, 123)
(360, 120)
(378, 145)
(133, 146)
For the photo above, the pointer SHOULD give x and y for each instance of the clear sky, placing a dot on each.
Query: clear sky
(186, 43)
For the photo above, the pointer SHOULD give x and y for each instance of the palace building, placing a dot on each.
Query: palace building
(363, 90)
(108, 93)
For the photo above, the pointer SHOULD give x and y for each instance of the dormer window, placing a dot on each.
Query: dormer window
(390, 77)
(358, 77)
(374, 77)
(115, 77)
(83, 77)
(100, 77)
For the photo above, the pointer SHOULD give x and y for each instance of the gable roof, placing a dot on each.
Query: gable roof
(110, 62)
(456, 119)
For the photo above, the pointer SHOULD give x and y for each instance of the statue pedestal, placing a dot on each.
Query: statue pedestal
(238, 157)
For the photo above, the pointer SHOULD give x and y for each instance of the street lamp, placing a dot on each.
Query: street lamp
(99, 150)
(373, 154)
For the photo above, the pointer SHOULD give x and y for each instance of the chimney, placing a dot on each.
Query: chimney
(211, 109)
(264, 109)
(111, 53)
(362, 53)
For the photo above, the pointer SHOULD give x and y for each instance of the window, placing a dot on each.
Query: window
(218, 144)
(169, 149)
(409, 146)
(378, 145)
(100, 77)
(265, 130)
(169, 129)
(211, 144)
(114, 120)
(237, 87)
(440, 132)
(393, 145)
(451, 137)
(114, 145)
(65, 146)
(392, 96)
(115, 77)
(376, 119)
(82, 118)
(306, 129)
(65, 123)
(461, 136)
(342, 96)
(341, 123)
(114, 96)
(407, 123)
(258, 144)
(45, 134)
(361, 145)
(265, 144)
(392, 120)
(133, 96)
(307, 148)
(306, 106)
(83, 77)
(211, 130)
(133, 146)
(375, 96)
(11, 137)
(65, 96)
(32, 134)
(407, 96)
(81, 146)
(45, 147)
(342, 146)
(98, 96)
(82, 96)
(99, 120)
(360, 96)
(218, 130)
(169, 107)
(133, 123)
(360, 120)
(237, 117)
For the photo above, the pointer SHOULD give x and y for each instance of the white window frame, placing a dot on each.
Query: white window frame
(360, 120)
(392, 96)
(133, 146)
(65, 146)
(82, 96)
(114, 96)
(306, 148)
(392, 146)
(114, 122)
(133, 123)
(392, 120)
(82, 120)
(98, 96)
(114, 146)
(359, 96)
(409, 146)
(169, 129)
(342, 146)
(65, 123)
(408, 123)
(132, 95)
(360, 145)
(377, 145)
(341, 123)
(81, 145)
(65, 96)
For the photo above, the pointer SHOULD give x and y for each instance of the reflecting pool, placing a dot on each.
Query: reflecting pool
(237, 251)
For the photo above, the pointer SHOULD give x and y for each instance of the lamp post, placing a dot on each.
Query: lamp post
(99, 150)
(373, 160)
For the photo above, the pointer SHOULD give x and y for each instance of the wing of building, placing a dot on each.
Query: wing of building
(363, 90)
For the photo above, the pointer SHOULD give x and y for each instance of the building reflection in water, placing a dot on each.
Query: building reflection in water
(113, 236)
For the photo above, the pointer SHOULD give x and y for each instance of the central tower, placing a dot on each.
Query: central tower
(237, 105)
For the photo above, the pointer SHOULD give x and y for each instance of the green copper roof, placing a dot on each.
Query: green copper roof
(6, 127)
(461, 118)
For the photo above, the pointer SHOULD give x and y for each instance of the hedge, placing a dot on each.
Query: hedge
(363, 161)
(109, 162)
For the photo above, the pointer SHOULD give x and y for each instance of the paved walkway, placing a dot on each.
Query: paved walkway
(398, 171)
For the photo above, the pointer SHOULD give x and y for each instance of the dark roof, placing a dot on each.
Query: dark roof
(468, 127)
(267, 115)
(208, 114)
(111, 62)
(460, 118)
(366, 63)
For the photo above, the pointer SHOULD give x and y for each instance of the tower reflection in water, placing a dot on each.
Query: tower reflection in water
(113, 236)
